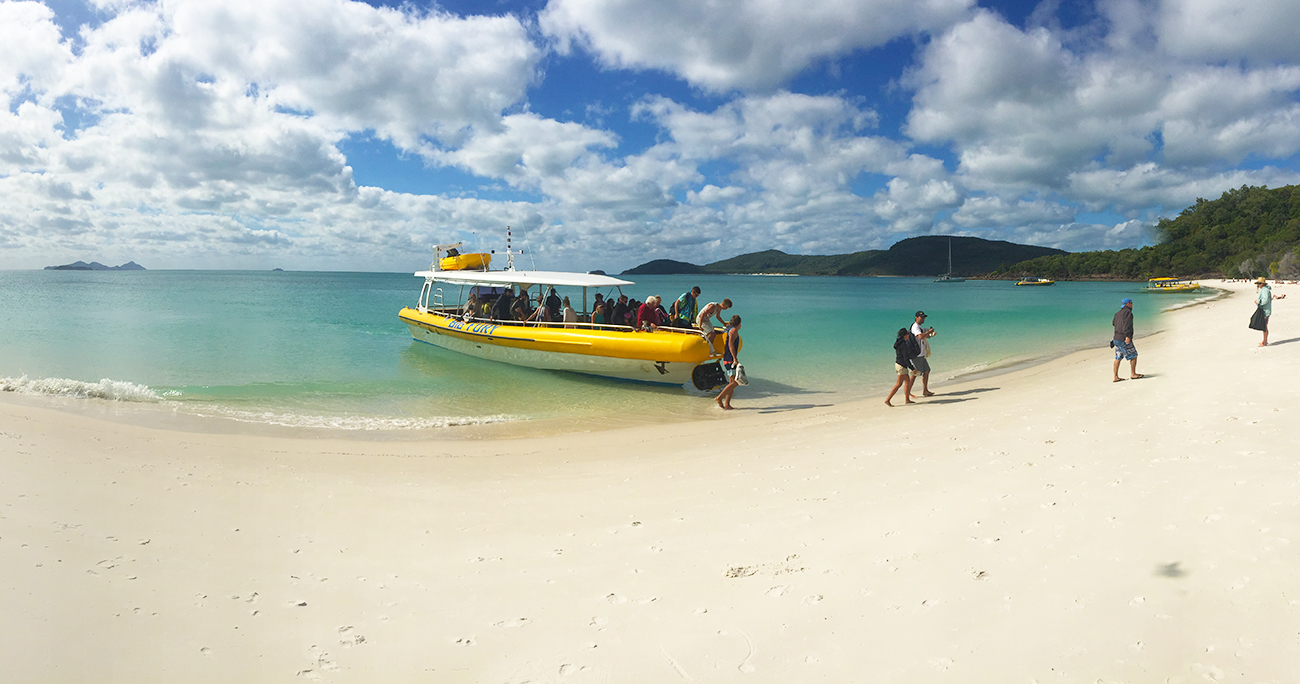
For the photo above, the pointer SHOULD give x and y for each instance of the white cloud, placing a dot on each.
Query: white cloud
(1032, 111)
(214, 125)
(735, 44)
(1260, 30)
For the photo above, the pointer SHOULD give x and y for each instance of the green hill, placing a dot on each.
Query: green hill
(1248, 232)
(918, 256)
(663, 267)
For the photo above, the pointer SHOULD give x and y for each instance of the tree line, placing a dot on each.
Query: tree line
(1247, 232)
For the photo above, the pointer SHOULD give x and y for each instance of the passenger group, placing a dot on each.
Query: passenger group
(502, 304)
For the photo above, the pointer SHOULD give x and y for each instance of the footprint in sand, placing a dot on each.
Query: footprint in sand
(205, 651)
(812, 600)
(348, 638)
(778, 590)
(466, 641)
(322, 663)
(516, 622)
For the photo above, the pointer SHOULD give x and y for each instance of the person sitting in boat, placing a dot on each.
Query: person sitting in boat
(598, 315)
(522, 309)
(600, 299)
(664, 318)
(501, 308)
(568, 314)
(553, 306)
(618, 315)
(471, 306)
(647, 315)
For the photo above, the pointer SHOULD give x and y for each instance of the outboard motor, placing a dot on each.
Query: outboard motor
(707, 376)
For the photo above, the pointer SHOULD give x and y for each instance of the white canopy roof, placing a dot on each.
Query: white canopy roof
(497, 278)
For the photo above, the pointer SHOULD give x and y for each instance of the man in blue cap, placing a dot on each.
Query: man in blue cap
(1123, 342)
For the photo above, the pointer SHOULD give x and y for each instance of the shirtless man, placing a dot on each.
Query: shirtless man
(710, 311)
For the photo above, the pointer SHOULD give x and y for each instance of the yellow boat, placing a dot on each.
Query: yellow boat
(1035, 281)
(670, 356)
(1171, 285)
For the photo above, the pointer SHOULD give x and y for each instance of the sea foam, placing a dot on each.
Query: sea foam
(297, 420)
(111, 390)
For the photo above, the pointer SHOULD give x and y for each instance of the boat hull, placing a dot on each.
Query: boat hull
(655, 357)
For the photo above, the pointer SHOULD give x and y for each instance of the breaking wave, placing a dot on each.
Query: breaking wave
(111, 390)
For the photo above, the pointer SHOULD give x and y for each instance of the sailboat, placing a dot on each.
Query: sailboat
(947, 277)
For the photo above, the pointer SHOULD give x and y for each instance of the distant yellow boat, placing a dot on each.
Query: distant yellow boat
(1170, 285)
(1035, 281)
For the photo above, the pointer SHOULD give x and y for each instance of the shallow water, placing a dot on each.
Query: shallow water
(326, 350)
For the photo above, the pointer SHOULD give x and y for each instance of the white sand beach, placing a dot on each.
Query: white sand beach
(1045, 525)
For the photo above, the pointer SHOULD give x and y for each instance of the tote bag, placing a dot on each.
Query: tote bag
(1259, 321)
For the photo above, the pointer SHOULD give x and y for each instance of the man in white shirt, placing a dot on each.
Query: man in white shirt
(922, 362)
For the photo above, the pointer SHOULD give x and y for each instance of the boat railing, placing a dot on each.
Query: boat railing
(455, 313)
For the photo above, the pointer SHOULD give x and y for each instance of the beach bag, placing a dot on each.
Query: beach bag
(741, 378)
(1259, 321)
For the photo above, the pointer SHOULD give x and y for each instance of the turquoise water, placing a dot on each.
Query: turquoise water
(326, 350)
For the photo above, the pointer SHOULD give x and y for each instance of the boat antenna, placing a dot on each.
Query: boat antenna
(510, 255)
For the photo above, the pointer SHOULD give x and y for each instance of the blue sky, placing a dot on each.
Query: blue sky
(327, 134)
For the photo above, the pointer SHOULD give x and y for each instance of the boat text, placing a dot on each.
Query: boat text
(480, 328)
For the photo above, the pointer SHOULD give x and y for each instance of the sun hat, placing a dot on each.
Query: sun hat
(1261, 280)
(1124, 301)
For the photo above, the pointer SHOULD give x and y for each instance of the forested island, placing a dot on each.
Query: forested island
(1246, 233)
(918, 256)
(95, 266)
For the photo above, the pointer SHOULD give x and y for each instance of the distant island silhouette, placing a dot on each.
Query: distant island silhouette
(96, 266)
(918, 256)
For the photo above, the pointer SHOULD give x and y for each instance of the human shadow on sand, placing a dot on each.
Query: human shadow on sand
(790, 407)
(1293, 339)
(973, 390)
(759, 387)
(957, 397)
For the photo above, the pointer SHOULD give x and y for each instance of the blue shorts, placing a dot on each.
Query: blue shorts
(1124, 351)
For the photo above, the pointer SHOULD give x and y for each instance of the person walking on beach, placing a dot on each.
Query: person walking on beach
(906, 349)
(1123, 340)
(730, 361)
(1264, 299)
(922, 362)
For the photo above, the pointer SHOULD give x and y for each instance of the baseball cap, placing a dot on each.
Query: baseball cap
(1124, 301)
(920, 313)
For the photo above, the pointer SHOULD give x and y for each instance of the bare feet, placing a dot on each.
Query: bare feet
(928, 394)
(888, 404)
(1263, 344)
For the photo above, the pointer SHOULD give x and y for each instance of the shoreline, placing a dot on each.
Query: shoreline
(176, 415)
(1044, 524)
